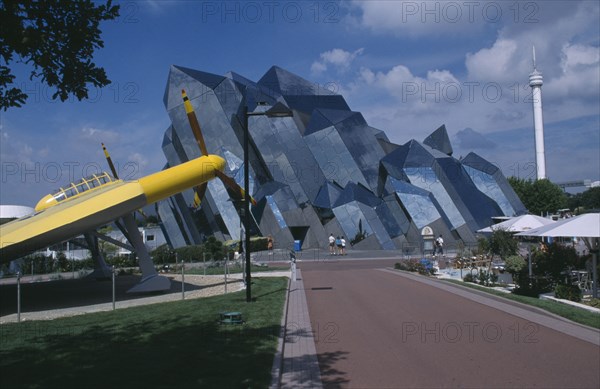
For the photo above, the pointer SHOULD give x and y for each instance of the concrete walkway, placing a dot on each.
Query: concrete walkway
(298, 364)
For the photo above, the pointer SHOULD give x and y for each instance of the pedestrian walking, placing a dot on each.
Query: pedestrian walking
(331, 245)
(439, 245)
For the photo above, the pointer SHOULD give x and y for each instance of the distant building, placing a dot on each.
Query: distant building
(152, 236)
(323, 171)
(74, 249)
(12, 212)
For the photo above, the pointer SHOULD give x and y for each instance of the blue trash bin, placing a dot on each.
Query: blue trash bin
(297, 245)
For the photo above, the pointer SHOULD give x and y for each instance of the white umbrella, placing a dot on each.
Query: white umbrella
(582, 226)
(519, 224)
(585, 226)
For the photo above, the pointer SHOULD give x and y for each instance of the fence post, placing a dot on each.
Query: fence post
(225, 275)
(18, 297)
(182, 279)
(113, 288)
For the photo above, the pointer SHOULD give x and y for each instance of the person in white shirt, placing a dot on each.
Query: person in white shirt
(331, 244)
(439, 245)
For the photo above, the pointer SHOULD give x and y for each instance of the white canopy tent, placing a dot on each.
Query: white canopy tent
(586, 226)
(519, 224)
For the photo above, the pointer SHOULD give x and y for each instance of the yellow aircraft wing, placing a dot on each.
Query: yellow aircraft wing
(90, 210)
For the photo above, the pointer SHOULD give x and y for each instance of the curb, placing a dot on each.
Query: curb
(550, 297)
(277, 369)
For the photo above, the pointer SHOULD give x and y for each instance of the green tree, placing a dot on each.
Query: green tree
(539, 196)
(521, 188)
(190, 253)
(163, 255)
(515, 264)
(503, 244)
(574, 202)
(590, 199)
(151, 220)
(554, 262)
(62, 264)
(58, 38)
(214, 248)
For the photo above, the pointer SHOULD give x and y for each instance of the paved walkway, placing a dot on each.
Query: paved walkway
(300, 366)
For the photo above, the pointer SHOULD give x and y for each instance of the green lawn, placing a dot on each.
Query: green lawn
(575, 314)
(174, 345)
(234, 269)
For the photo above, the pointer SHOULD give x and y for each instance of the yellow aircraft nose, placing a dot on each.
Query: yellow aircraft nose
(46, 202)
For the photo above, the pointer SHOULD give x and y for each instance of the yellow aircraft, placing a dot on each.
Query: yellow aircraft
(95, 201)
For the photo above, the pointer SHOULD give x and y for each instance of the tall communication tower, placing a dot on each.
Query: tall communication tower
(535, 82)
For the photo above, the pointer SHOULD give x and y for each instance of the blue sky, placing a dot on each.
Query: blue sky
(409, 67)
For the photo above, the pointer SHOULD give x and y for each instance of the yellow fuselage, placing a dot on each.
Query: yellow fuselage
(63, 220)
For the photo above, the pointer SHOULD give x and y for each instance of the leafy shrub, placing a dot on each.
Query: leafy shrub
(470, 277)
(258, 244)
(483, 277)
(425, 267)
(568, 292)
(486, 278)
(214, 248)
(422, 266)
(162, 255)
(514, 264)
(594, 303)
(533, 286)
(191, 254)
(554, 262)
(120, 261)
(400, 266)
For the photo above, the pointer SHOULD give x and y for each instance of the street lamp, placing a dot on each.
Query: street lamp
(278, 110)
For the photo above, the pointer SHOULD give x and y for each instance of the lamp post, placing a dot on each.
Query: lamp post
(276, 111)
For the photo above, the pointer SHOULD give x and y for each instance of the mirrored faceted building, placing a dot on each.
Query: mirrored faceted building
(322, 171)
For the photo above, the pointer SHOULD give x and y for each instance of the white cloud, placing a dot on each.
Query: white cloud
(577, 55)
(580, 77)
(410, 92)
(493, 94)
(31, 169)
(14, 150)
(318, 67)
(493, 63)
(139, 160)
(425, 17)
(98, 135)
(567, 54)
(339, 58)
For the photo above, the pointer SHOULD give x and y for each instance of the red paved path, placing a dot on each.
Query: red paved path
(374, 329)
